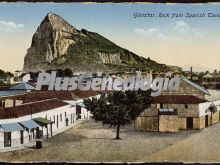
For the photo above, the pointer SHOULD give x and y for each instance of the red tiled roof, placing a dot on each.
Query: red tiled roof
(61, 95)
(6, 114)
(84, 94)
(31, 108)
(177, 99)
(43, 95)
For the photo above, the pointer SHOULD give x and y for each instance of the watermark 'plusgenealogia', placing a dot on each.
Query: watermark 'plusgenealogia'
(85, 83)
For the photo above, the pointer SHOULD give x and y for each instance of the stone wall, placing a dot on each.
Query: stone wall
(146, 124)
(182, 123)
(215, 118)
(196, 123)
(148, 120)
(168, 123)
(187, 89)
(191, 111)
(152, 111)
(202, 122)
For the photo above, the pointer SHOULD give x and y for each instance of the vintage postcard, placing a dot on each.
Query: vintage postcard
(125, 82)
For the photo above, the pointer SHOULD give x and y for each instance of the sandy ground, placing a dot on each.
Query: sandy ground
(92, 142)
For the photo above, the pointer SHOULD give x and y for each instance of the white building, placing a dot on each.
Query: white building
(41, 115)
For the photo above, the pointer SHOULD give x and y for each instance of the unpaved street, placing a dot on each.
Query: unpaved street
(94, 142)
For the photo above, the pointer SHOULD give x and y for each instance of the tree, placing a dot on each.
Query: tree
(9, 74)
(60, 73)
(68, 72)
(34, 75)
(118, 108)
(5, 74)
(212, 108)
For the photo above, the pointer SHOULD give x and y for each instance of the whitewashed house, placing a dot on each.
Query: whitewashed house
(41, 115)
(23, 123)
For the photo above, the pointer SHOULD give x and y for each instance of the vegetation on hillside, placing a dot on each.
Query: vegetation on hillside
(4, 74)
(84, 54)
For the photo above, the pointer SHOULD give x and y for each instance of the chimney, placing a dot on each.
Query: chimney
(14, 103)
(3, 104)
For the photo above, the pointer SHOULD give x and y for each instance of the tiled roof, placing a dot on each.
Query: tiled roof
(177, 99)
(43, 95)
(6, 114)
(84, 94)
(61, 95)
(31, 108)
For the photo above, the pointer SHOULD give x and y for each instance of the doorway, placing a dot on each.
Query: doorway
(57, 121)
(78, 112)
(206, 120)
(189, 122)
(22, 137)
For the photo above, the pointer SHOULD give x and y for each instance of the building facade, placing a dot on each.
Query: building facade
(39, 115)
(174, 111)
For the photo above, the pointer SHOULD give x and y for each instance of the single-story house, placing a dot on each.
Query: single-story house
(171, 113)
(40, 114)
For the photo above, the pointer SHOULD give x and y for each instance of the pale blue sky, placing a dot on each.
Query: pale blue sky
(179, 41)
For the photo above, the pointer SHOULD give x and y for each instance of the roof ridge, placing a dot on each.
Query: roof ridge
(39, 101)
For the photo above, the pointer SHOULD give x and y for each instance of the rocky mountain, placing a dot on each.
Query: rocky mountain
(58, 45)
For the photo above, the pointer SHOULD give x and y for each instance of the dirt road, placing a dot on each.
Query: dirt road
(92, 142)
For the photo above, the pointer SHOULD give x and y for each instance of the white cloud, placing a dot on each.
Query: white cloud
(153, 33)
(181, 27)
(180, 32)
(161, 36)
(140, 31)
(10, 26)
(183, 30)
(197, 33)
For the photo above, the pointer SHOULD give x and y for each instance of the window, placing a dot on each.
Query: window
(161, 105)
(57, 121)
(33, 134)
(22, 136)
(61, 117)
(186, 106)
(54, 119)
(65, 114)
(78, 112)
(7, 139)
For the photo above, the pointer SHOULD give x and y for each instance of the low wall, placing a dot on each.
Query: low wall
(168, 123)
(146, 124)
